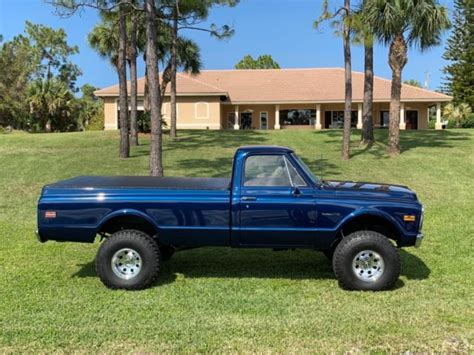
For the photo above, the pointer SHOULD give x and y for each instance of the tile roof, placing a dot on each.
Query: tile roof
(285, 85)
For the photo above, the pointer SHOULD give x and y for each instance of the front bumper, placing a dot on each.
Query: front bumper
(419, 239)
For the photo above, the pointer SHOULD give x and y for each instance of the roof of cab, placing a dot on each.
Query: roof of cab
(265, 148)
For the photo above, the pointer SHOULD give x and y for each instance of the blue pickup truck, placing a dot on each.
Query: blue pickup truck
(272, 200)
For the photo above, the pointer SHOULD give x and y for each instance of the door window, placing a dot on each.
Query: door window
(271, 170)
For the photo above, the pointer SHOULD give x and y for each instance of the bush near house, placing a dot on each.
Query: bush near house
(468, 122)
(223, 300)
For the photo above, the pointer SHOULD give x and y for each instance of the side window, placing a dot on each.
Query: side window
(266, 170)
(296, 178)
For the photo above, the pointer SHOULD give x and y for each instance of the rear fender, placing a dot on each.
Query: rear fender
(123, 213)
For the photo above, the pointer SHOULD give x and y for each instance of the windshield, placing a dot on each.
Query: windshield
(307, 170)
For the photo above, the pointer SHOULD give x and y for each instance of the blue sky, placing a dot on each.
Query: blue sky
(282, 28)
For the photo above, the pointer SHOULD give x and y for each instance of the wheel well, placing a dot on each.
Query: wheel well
(127, 222)
(373, 223)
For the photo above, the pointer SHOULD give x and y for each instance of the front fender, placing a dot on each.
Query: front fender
(374, 213)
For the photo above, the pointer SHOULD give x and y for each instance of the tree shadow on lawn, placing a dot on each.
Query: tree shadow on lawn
(409, 139)
(258, 263)
(195, 139)
(222, 167)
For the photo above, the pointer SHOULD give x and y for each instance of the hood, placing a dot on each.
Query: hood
(369, 189)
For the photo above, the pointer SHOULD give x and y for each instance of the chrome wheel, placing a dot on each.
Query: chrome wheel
(126, 263)
(368, 265)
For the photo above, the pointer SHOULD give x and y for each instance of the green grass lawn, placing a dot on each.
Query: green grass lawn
(237, 300)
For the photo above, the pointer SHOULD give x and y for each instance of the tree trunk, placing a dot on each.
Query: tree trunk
(133, 83)
(346, 139)
(397, 60)
(174, 35)
(156, 165)
(122, 74)
(367, 123)
(146, 91)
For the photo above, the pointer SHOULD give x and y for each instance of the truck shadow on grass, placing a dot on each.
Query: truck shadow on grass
(255, 263)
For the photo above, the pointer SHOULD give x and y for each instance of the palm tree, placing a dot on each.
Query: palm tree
(132, 63)
(122, 74)
(104, 39)
(173, 68)
(188, 58)
(363, 35)
(342, 21)
(50, 102)
(156, 136)
(457, 113)
(346, 140)
(401, 24)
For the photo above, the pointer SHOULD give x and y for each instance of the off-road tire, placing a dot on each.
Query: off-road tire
(143, 244)
(357, 242)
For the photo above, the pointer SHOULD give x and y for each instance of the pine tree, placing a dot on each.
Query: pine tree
(459, 80)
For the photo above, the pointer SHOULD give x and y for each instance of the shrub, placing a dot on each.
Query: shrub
(97, 122)
(468, 122)
(451, 124)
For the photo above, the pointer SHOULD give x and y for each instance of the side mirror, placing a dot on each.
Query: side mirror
(295, 191)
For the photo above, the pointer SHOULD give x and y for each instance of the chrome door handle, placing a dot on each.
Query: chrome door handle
(249, 198)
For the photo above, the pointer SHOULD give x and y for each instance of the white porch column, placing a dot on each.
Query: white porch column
(318, 117)
(359, 116)
(438, 124)
(403, 125)
(236, 118)
(277, 117)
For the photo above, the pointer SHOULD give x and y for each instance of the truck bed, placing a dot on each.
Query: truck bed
(144, 182)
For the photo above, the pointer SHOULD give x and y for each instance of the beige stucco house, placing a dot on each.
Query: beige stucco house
(280, 99)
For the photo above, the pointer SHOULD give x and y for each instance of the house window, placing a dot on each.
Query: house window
(297, 117)
(335, 119)
(201, 110)
(263, 120)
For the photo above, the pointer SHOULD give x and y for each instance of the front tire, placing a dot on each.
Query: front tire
(367, 261)
(129, 259)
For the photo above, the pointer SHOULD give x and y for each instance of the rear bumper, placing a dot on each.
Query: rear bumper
(40, 238)
(419, 239)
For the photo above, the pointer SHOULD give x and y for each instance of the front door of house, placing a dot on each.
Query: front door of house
(411, 119)
(246, 119)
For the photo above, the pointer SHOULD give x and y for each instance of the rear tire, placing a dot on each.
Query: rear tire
(367, 261)
(129, 260)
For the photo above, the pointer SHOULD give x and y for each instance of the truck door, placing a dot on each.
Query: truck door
(277, 206)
